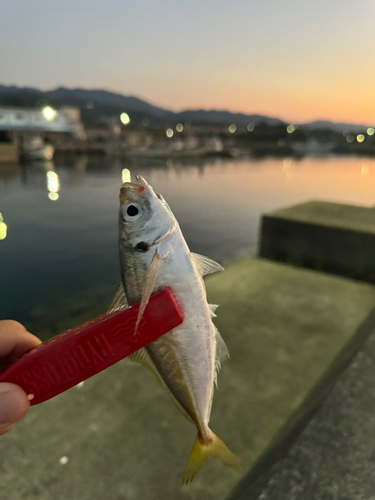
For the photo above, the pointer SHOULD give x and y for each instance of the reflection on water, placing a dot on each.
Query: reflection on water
(3, 228)
(60, 259)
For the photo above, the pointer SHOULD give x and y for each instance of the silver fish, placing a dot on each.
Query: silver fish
(154, 255)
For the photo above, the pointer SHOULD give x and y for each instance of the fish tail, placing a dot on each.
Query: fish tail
(202, 450)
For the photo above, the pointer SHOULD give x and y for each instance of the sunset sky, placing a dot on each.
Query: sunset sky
(298, 60)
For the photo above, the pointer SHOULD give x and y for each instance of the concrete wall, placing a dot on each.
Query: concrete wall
(329, 237)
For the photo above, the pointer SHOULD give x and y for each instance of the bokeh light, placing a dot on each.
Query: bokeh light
(251, 127)
(169, 133)
(126, 175)
(291, 128)
(179, 127)
(49, 113)
(3, 228)
(370, 131)
(350, 138)
(53, 185)
(232, 128)
(125, 118)
(360, 138)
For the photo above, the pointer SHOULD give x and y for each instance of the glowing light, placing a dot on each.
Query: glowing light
(53, 185)
(3, 228)
(291, 128)
(49, 113)
(232, 128)
(179, 127)
(125, 118)
(370, 131)
(251, 127)
(64, 460)
(126, 175)
(365, 169)
(360, 137)
(350, 138)
(169, 133)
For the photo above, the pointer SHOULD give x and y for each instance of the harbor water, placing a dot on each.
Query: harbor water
(59, 256)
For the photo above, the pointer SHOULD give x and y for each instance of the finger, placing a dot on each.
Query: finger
(15, 340)
(4, 428)
(14, 404)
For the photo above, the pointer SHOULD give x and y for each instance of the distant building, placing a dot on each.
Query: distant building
(46, 120)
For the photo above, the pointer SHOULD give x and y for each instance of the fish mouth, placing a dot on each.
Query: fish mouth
(130, 192)
(141, 181)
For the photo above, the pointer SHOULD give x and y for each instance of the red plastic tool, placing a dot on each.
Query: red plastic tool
(63, 361)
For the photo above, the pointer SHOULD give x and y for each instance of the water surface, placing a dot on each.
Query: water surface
(59, 262)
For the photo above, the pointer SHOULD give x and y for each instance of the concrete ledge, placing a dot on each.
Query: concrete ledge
(329, 237)
(334, 456)
(285, 327)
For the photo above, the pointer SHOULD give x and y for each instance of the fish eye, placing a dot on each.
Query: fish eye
(131, 212)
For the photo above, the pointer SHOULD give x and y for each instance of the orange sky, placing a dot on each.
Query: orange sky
(296, 60)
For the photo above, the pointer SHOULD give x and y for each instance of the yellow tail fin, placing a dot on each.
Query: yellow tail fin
(201, 452)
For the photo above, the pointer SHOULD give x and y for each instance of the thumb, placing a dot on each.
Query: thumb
(14, 405)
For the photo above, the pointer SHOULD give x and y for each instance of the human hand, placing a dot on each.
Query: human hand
(14, 341)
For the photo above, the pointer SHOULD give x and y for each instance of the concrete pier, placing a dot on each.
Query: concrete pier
(325, 236)
(334, 456)
(290, 332)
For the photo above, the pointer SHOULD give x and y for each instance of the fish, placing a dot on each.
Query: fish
(154, 255)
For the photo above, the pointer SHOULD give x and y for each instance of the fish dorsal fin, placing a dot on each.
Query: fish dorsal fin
(204, 265)
(143, 358)
(213, 308)
(222, 352)
(119, 300)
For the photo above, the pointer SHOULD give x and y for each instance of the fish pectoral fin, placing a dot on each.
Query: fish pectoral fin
(204, 265)
(149, 285)
(119, 300)
(202, 451)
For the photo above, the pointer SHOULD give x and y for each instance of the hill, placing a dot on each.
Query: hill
(98, 104)
(94, 104)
